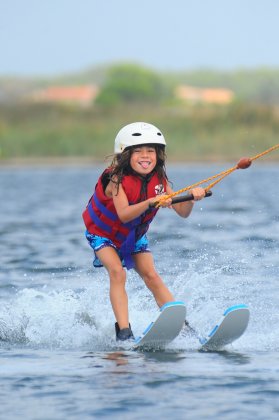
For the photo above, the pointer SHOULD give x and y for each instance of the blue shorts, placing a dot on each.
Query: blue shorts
(98, 242)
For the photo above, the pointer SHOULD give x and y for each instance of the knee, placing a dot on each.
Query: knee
(117, 275)
(152, 280)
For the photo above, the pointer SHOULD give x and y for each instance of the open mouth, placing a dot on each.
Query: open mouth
(144, 164)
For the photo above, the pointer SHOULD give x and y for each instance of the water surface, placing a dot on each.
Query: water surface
(58, 355)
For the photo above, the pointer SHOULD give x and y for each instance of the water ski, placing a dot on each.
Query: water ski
(230, 327)
(164, 329)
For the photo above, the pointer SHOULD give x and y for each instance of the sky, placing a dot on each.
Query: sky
(55, 37)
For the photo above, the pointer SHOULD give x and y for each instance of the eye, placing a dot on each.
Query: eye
(136, 134)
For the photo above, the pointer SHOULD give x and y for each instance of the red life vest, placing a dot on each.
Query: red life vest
(100, 216)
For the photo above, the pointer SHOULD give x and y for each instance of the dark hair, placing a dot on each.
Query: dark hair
(120, 165)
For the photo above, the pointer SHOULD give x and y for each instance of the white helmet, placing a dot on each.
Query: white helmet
(136, 134)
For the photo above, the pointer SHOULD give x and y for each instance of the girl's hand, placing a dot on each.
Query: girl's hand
(163, 203)
(198, 193)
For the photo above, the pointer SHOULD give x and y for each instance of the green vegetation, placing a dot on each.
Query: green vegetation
(128, 83)
(193, 133)
(130, 93)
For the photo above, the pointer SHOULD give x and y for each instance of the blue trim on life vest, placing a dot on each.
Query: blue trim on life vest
(120, 236)
(103, 208)
(100, 223)
(129, 240)
(96, 219)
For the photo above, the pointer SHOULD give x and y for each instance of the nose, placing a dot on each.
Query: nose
(144, 151)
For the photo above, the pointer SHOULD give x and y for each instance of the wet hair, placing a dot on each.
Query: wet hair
(120, 165)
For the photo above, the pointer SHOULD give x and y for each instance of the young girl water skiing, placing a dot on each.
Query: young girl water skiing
(120, 211)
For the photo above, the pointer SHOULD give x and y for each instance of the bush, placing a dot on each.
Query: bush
(129, 83)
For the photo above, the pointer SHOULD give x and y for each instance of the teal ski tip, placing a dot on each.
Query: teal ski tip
(169, 304)
(235, 308)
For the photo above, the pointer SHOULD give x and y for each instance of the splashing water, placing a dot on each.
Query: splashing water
(57, 339)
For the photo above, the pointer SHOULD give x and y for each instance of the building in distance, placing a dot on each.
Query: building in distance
(195, 95)
(80, 95)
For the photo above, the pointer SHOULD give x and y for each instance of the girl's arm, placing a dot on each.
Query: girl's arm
(184, 209)
(127, 212)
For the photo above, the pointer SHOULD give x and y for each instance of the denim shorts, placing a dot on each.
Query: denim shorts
(98, 242)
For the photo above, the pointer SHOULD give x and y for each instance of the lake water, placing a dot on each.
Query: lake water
(58, 355)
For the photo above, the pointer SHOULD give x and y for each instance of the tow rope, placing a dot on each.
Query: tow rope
(243, 163)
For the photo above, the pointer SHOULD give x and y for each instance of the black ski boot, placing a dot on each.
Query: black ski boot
(124, 334)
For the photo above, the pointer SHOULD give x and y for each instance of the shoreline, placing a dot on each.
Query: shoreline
(78, 161)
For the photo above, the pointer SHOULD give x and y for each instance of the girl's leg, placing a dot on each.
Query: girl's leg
(117, 275)
(144, 265)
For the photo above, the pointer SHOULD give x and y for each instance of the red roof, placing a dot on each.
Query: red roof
(78, 94)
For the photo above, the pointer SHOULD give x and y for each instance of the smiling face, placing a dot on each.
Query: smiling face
(143, 159)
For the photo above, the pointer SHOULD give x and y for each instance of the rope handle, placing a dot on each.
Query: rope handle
(188, 197)
(180, 199)
(243, 163)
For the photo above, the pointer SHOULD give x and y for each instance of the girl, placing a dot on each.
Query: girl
(118, 215)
